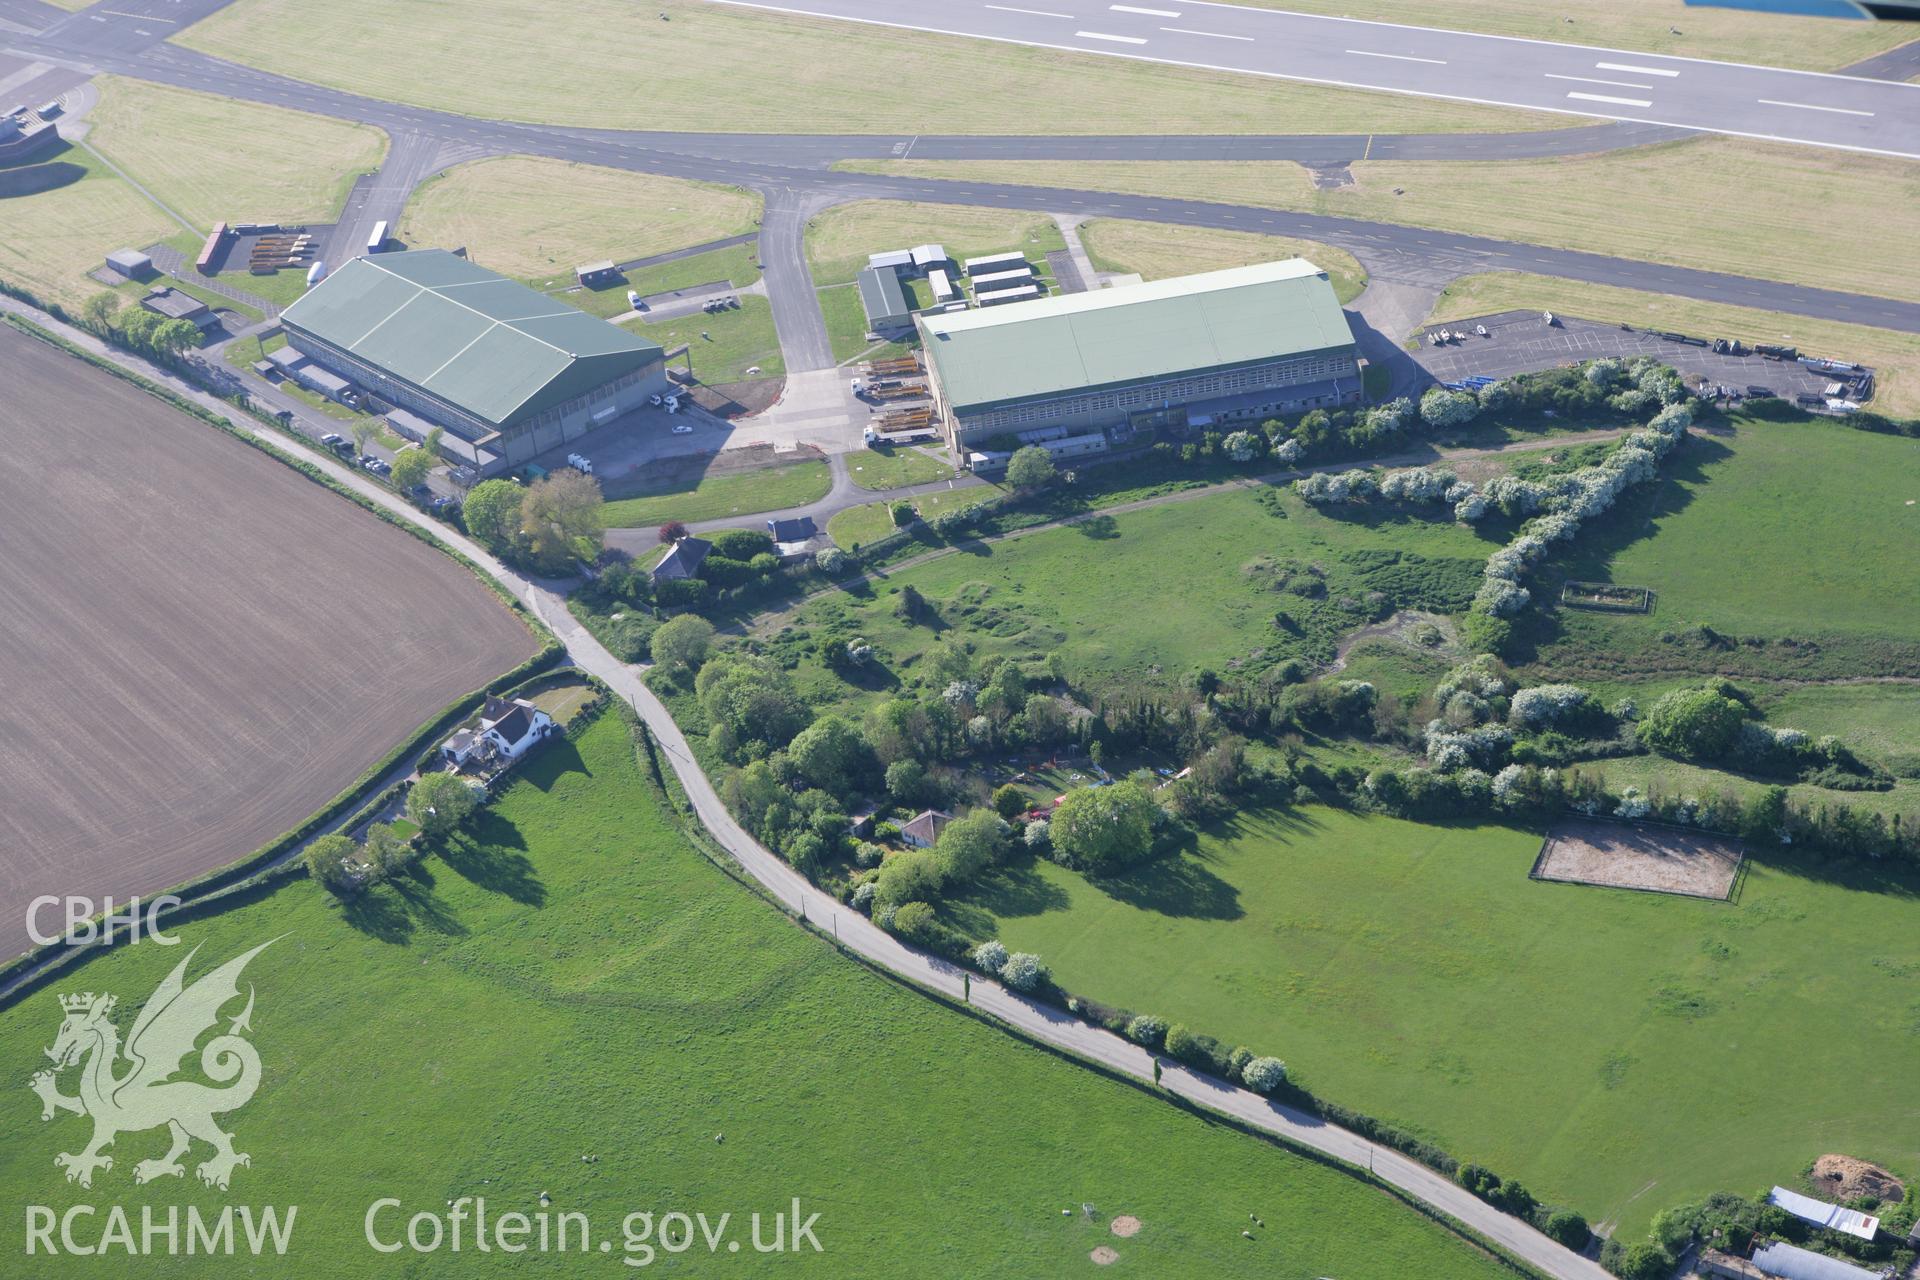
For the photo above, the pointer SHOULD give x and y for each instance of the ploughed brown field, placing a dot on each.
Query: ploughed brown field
(198, 646)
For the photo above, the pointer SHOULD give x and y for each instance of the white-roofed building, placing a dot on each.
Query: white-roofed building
(1790, 1262)
(1820, 1213)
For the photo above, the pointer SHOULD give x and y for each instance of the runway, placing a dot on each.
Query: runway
(1806, 107)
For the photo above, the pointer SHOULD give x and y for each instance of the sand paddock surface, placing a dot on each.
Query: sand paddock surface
(1657, 859)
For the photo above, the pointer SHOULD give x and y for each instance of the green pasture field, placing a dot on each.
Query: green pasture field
(738, 493)
(724, 344)
(893, 468)
(1103, 593)
(871, 521)
(1788, 532)
(571, 1003)
(1613, 1050)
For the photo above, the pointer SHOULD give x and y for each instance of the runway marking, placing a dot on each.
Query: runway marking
(1623, 84)
(777, 6)
(1101, 35)
(1643, 71)
(1601, 97)
(1397, 57)
(1038, 13)
(1808, 106)
(119, 13)
(1216, 35)
(1151, 13)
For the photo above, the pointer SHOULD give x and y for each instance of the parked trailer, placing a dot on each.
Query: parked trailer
(211, 249)
(899, 393)
(1773, 351)
(378, 240)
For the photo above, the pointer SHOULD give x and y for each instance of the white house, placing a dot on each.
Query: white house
(505, 731)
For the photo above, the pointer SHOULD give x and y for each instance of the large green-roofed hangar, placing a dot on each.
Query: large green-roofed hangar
(1238, 345)
(511, 372)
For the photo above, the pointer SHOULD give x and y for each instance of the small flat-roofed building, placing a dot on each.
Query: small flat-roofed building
(295, 366)
(1010, 278)
(1141, 357)
(1013, 293)
(175, 305)
(892, 260)
(994, 263)
(131, 263)
(512, 372)
(595, 274)
(942, 286)
(885, 301)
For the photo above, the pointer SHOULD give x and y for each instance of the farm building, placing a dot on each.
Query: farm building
(1789, 1262)
(1822, 1214)
(885, 302)
(509, 372)
(1229, 345)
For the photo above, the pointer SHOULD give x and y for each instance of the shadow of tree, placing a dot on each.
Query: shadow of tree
(1179, 885)
(1100, 528)
(489, 856)
(1011, 890)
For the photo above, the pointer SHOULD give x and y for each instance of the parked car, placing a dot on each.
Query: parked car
(333, 439)
(683, 428)
(419, 492)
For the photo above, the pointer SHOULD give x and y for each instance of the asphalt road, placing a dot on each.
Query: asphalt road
(856, 933)
(1719, 97)
(795, 191)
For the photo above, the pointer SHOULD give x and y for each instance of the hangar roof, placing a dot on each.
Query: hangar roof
(1134, 333)
(487, 344)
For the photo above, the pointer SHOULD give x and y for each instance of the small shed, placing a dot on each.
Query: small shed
(131, 263)
(595, 274)
(175, 305)
(892, 260)
(1011, 278)
(792, 529)
(928, 256)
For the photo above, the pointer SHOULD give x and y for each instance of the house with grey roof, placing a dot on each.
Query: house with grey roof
(922, 831)
(683, 560)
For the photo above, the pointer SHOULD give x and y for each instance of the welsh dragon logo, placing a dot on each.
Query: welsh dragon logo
(146, 1095)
